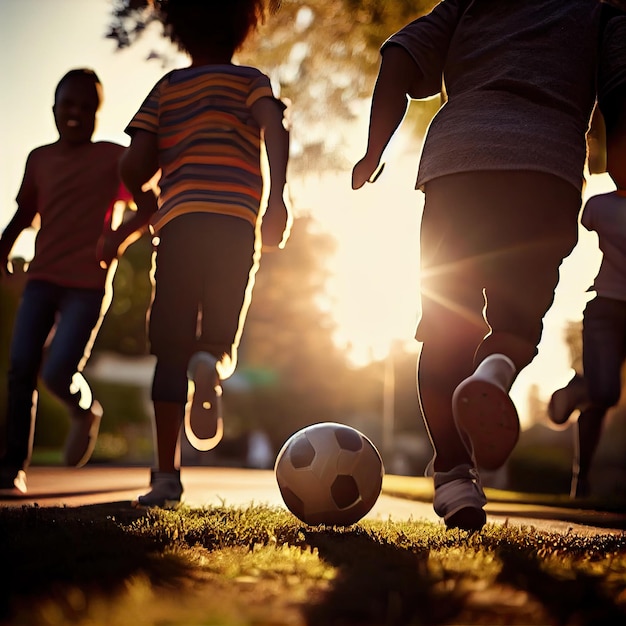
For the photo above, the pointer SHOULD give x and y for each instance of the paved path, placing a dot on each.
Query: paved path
(204, 486)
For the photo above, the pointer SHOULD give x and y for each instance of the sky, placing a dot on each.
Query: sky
(373, 293)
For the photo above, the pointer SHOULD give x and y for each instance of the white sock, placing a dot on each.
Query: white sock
(499, 369)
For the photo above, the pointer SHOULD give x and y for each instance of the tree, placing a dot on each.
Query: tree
(295, 373)
(124, 327)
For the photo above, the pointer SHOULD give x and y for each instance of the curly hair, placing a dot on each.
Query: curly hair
(200, 26)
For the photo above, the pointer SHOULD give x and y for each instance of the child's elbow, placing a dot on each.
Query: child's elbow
(131, 174)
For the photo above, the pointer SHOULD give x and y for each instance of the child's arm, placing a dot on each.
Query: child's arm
(25, 213)
(269, 116)
(138, 165)
(398, 76)
(22, 219)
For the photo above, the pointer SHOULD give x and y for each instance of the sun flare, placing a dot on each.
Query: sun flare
(373, 291)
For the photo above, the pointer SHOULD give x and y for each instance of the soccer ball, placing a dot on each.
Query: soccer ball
(330, 474)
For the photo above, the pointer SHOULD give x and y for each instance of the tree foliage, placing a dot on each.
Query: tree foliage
(295, 372)
(124, 328)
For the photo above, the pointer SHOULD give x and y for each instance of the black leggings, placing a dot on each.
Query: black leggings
(204, 273)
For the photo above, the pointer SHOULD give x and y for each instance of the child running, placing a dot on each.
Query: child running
(604, 317)
(502, 172)
(203, 128)
(72, 185)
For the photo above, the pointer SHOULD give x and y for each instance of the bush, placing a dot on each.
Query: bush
(540, 469)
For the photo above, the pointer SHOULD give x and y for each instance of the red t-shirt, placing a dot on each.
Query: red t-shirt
(73, 191)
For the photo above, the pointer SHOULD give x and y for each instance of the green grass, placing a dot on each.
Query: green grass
(117, 566)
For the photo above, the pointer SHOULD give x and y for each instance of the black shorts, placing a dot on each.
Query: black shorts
(491, 247)
(203, 273)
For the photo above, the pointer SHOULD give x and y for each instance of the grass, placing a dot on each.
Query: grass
(117, 566)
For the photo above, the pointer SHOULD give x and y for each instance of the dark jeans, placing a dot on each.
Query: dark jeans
(205, 265)
(491, 247)
(74, 314)
(604, 353)
(604, 349)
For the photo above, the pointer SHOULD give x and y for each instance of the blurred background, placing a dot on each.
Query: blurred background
(329, 334)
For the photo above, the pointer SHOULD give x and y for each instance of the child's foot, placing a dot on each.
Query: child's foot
(82, 437)
(203, 415)
(567, 400)
(459, 498)
(166, 491)
(485, 414)
(12, 482)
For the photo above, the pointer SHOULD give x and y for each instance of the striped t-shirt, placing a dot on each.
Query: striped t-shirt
(209, 143)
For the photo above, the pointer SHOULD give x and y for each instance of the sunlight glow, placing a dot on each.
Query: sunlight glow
(373, 291)
(373, 294)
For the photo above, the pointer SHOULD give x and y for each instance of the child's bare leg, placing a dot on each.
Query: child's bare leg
(165, 487)
(168, 417)
(588, 431)
(438, 376)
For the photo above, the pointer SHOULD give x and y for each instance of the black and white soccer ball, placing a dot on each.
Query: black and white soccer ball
(329, 473)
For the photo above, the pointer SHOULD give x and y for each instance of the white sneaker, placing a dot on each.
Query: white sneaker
(13, 483)
(82, 437)
(459, 498)
(204, 425)
(485, 414)
(166, 492)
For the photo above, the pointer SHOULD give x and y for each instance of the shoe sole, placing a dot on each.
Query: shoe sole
(205, 403)
(486, 414)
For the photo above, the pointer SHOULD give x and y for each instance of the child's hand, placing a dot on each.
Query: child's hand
(106, 250)
(4, 268)
(274, 231)
(367, 170)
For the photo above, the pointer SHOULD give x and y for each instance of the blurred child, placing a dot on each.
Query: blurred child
(502, 172)
(604, 317)
(72, 185)
(203, 127)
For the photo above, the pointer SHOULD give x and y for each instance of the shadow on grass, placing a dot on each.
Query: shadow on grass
(573, 597)
(45, 551)
(406, 574)
(378, 584)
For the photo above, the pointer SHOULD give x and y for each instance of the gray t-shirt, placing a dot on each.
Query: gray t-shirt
(521, 83)
(612, 66)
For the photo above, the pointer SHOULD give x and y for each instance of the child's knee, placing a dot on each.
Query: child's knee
(519, 349)
(58, 380)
